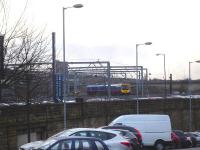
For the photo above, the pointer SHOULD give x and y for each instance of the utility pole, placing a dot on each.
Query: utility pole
(28, 80)
(1, 63)
(54, 67)
(165, 80)
(170, 85)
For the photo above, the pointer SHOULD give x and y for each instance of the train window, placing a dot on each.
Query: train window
(100, 88)
(115, 88)
(125, 87)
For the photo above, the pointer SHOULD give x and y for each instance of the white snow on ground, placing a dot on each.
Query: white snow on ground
(185, 96)
(106, 99)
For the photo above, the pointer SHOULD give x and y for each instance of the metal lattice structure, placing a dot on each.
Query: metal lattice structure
(76, 71)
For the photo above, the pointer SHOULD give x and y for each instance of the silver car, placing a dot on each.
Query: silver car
(195, 137)
(72, 143)
(112, 139)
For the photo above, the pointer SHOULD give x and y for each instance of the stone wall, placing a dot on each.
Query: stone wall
(47, 119)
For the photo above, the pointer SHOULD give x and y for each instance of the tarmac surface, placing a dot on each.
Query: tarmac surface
(195, 148)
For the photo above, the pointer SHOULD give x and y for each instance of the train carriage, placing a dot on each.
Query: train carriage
(116, 89)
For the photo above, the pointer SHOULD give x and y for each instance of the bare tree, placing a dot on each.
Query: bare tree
(25, 53)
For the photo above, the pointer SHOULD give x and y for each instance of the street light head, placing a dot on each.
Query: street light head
(198, 61)
(148, 43)
(158, 54)
(78, 6)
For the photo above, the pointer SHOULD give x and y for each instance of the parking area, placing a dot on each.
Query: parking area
(196, 148)
(121, 134)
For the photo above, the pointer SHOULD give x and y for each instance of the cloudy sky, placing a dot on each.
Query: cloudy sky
(108, 30)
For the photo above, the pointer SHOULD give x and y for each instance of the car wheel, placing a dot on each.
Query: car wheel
(159, 145)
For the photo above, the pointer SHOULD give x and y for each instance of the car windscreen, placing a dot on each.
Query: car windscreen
(179, 133)
(97, 134)
(63, 133)
(125, 134)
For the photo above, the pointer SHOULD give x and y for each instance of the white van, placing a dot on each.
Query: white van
(155, 129)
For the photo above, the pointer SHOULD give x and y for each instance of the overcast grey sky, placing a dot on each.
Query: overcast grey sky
(108, 30)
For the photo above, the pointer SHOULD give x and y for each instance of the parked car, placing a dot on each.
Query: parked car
(185, 141)
(112, 139)
(128, 128)
(130, 136)
(176, 143)
(197, 133)
(72, 143)
(195, 137)
(155, 129)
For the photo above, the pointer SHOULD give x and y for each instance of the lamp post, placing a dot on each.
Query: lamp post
(165, 92)
(64, 61)
(190, 97)
(137, 45)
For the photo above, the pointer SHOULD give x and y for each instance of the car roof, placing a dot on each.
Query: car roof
(123, 130)
(76, 137)
(121, 127)
(88, 129)
(141, 117)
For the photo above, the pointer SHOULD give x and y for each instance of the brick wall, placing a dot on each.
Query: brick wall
(47, 119)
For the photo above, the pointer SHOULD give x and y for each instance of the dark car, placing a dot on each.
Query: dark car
(175, 141)
(128, 128)
(184, 140)
(72, 143)
(194, 137)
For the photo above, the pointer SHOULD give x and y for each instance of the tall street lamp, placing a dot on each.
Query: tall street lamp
(190, 96)
(137, 45)
(64, 61)
(165, 92)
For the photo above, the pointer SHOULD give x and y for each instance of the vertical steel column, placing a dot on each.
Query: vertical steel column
(142, 82)
(1, 63)
(109, 82)
(53, 67)
(64, 69)
(67, 80)
(165, 78)
(75, 83)
(147, 82)
(137, 78)
(190, 99)
(170, 85)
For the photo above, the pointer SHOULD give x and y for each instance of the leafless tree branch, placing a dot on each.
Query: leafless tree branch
(24, 48)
